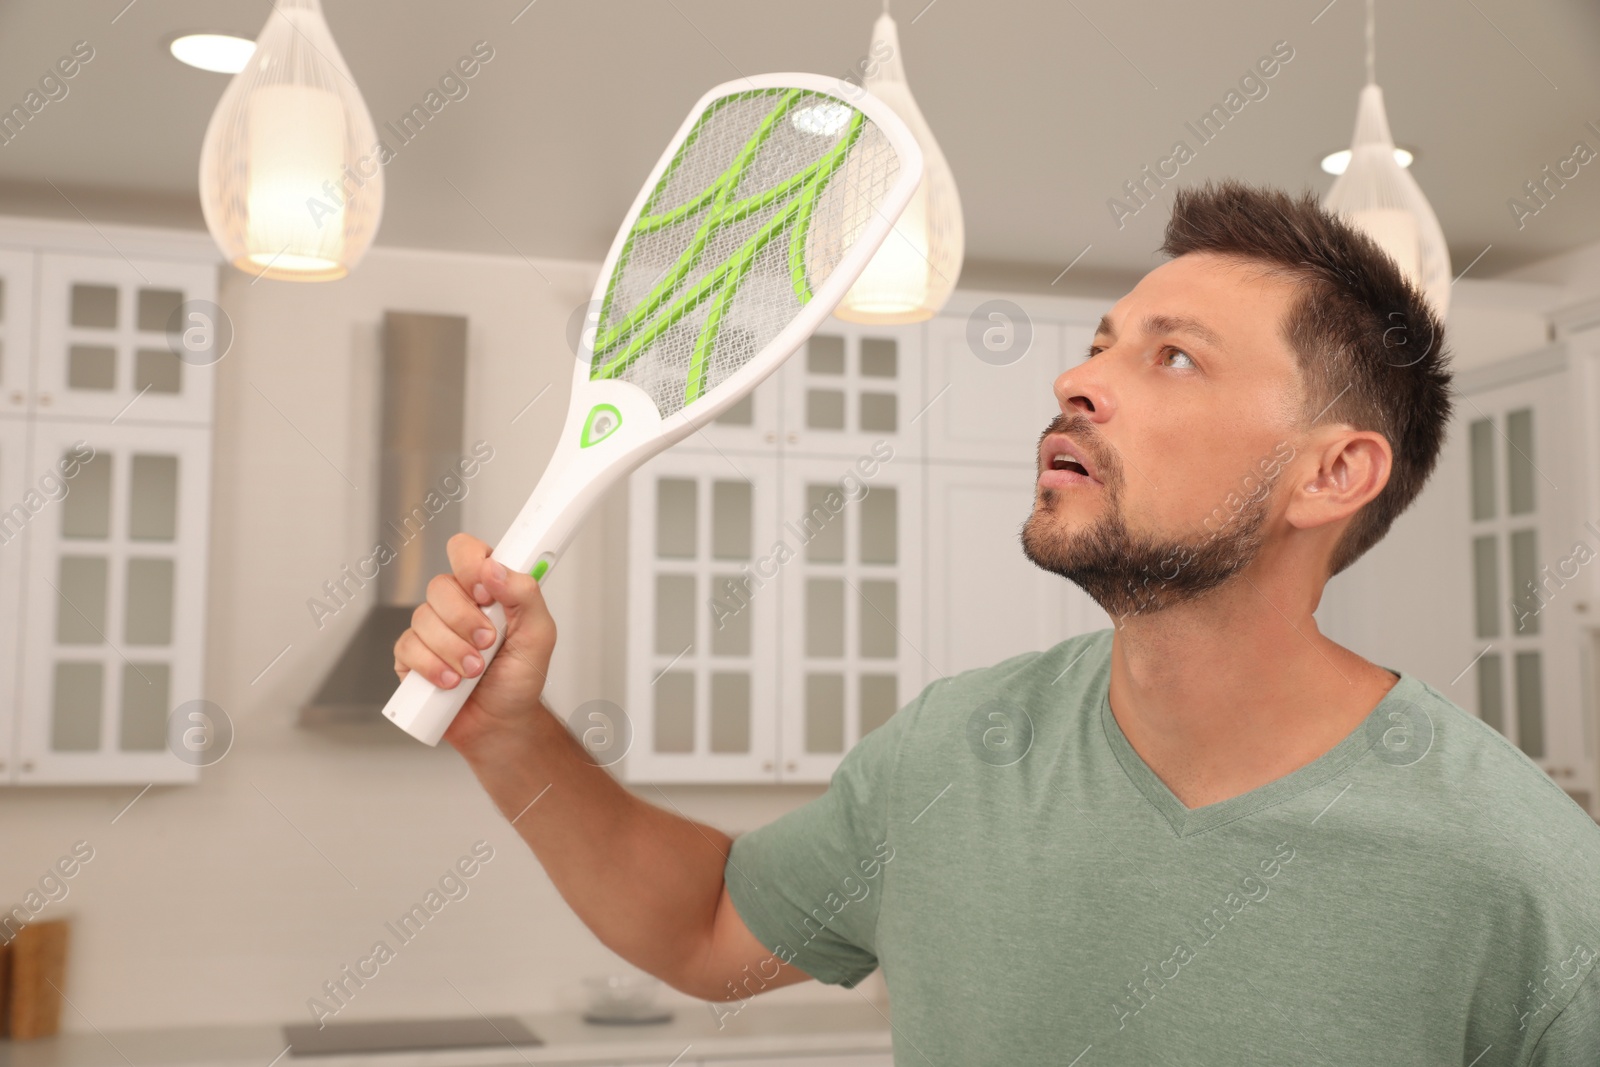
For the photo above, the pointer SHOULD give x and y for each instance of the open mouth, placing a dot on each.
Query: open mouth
(1063, 462)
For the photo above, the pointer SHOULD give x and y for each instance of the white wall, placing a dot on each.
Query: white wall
(228, 901)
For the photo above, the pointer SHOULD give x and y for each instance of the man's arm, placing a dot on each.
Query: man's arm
(648, 882)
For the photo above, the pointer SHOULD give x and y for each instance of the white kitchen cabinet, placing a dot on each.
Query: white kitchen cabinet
(114, 597)
(16, 330)
(851, 386)
(853, 649)
(1528, 543)
(703, 618)
(913, 574)
(14, 488)
(102, 574)
(110, 334)
(725, 544)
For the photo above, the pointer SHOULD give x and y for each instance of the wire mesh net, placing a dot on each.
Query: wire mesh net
(766, 195)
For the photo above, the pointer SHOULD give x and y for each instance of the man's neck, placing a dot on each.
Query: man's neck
(1222, 695)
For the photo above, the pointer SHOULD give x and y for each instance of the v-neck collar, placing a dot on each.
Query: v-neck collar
(1188, 821)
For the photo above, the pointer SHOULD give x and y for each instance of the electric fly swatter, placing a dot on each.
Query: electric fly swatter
(761, 214)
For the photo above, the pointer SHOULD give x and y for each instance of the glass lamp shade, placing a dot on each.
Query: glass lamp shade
(915, 269)
(291, 181)
(1381, 198)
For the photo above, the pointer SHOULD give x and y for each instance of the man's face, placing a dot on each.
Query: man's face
(1185, 411)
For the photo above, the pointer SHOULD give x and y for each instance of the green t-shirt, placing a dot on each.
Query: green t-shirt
(1420, 894)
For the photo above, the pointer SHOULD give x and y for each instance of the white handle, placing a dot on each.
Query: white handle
(425, 711)
(572, 484)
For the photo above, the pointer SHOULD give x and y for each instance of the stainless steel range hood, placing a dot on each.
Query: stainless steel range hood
(420, 442)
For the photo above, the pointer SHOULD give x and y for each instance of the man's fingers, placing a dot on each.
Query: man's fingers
(410, 652)
(458, 654)
(467, 554)
(450, 602)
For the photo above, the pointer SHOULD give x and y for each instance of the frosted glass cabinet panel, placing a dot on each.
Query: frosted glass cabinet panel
(132, 340)
(703, 604)
(115, 601)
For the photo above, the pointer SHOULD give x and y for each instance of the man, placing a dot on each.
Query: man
(1209, 835)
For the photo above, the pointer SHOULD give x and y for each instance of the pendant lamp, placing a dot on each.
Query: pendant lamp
(915, 269)
(1380, 197)
(291, 181)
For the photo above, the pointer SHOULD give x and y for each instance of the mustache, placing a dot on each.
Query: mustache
(1079, 428)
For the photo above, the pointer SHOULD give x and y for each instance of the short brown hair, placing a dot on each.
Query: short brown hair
(1370, 348)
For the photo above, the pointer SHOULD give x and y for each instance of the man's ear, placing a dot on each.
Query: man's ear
(1352, 467)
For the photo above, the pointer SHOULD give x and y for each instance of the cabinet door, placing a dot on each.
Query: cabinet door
(16, 330)
(851, 386)
(1528, 543)
(117, 341)
(852, 641)
(986, 600)
(990, 405)
(24, 501)
(116, 602)
(703, 610)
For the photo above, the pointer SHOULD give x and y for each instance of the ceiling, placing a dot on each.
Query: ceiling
(1044, 109)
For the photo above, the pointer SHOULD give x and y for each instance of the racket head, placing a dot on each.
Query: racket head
(764, 209)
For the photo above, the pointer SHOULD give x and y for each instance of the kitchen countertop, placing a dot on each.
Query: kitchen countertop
(756, 1030)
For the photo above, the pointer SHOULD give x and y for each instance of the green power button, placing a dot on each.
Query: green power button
(539, 569)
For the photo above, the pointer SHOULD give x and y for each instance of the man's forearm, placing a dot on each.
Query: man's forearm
(645, 880)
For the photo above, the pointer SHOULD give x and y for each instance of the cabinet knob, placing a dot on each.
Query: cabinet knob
(771, 437)
(27, 765)
(790, 765)
(793, 438)
(766, 765)
(16, 396)
(44, 400)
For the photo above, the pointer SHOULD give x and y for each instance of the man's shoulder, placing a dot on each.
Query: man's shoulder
(1503, 823)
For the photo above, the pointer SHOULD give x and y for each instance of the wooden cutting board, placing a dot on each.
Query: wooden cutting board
(35, 963)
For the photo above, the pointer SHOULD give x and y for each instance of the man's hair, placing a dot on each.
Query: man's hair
(1370, 348)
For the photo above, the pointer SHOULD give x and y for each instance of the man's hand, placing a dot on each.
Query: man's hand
(450, 630)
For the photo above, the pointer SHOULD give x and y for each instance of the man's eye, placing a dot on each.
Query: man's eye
(1180, 352)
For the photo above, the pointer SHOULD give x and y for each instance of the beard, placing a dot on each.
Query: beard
(1129, 573)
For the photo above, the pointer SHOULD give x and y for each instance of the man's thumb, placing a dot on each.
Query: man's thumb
(520, 595)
